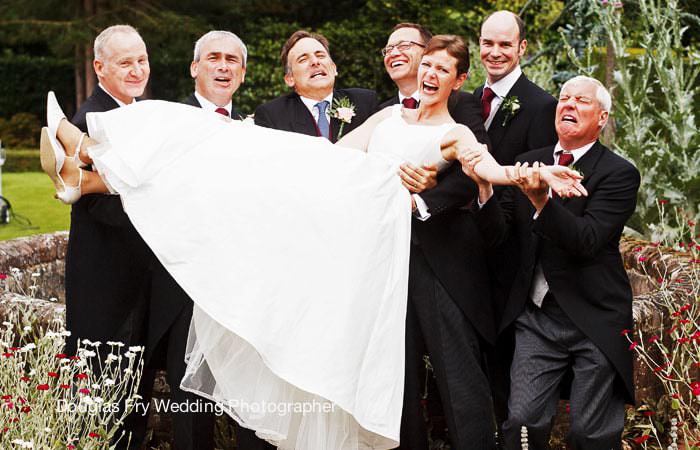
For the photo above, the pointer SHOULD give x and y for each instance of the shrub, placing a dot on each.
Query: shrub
(22, 160)
(22, 130)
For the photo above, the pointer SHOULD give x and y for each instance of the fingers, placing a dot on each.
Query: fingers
(418, 179)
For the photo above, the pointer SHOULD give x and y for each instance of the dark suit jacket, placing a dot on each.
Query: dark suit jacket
(192, 101)
(532, 127)
(106, 261)
(288, 113)
(577, 243)
(450, 239)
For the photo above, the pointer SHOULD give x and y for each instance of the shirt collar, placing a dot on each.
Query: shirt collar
(413, 96)
(209, 106)
(577, 152)
(119, 102)
(503, 86)
(311, 104)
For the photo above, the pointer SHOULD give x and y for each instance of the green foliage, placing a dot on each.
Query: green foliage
(22, 130)
(654, 109)
(21, 160)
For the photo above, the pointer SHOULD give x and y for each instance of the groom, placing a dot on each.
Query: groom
(310, 71)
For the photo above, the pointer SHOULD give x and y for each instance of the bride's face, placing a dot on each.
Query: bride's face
(437, 77)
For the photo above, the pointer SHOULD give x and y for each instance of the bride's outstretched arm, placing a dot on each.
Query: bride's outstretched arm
(359, 137)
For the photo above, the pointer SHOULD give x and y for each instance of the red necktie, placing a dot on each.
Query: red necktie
(410, 103)
(565, 158)
(486, 98)
(222, 111)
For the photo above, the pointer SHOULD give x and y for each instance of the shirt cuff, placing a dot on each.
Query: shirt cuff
(421, 212)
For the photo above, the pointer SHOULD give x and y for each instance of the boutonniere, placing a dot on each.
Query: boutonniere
(344, 110)
(510, 107)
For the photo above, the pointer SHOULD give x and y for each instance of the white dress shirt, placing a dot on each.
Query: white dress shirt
(209, 106)
(119, 102)
(501, 88)
(311, 106)
(539, 286)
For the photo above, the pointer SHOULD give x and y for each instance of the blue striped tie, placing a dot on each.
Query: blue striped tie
(323, 125)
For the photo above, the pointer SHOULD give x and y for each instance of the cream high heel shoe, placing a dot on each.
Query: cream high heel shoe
(54, 116)
(52, 159)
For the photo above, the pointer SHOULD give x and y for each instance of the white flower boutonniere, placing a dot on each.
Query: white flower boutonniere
(343, 110)
(510, 107)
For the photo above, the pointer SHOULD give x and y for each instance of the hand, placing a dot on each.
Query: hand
(418, 179)
(530, 182)
(469, 158)
(564, 181)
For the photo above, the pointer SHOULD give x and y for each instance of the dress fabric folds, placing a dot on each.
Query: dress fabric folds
(295, 252)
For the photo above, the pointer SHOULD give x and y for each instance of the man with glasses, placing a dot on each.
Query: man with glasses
(446, 255)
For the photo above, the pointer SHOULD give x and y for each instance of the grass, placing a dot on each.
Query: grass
(31, 196)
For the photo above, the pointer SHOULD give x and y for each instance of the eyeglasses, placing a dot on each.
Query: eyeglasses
(401, 46)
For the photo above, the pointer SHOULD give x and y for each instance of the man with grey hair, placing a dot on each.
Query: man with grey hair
(116, 289)
(571, 297)
(218, 69)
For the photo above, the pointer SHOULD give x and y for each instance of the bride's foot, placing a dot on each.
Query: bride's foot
(74, 141)
(64, 172)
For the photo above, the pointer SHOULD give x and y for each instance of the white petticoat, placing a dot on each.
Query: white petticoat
(295, 253)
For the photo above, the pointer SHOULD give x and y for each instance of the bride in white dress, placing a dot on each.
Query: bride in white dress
(294, 251)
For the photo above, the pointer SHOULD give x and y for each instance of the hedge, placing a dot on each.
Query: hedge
(22, 160)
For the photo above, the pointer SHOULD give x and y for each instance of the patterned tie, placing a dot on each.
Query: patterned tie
(410, 103)
(486, 98)
(222, 111)
(565, 158)
(323, 125)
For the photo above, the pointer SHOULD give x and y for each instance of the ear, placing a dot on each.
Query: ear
(522, 46)
(194, 69)
(98, 66)
(604, 115)
(459, 81)
(243, 75)
(289, 79)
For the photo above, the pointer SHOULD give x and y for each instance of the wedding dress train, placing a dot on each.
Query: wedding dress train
(295, 252)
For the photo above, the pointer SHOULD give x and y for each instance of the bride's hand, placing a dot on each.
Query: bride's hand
(563, 180)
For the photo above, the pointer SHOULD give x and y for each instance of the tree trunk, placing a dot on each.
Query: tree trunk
(89, 10)
(79, 70)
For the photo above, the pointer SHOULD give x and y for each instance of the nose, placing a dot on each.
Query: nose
(137, 70)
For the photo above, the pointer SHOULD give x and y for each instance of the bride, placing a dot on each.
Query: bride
(294, 251)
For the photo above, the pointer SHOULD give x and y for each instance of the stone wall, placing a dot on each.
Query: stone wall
(44, 255)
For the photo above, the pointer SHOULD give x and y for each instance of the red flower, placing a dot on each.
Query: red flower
(642, 258)
(81, 376)
(637, 249)
(624, 332)
(662, 201)
(14, 349)
(633, 345)
(26, 409)
(672, 329)
(676, 396)
(61, 355)
(658, 369)
(648, 413)
(683, 340)
(65, 386)
(7, 354)
(6, 397)
(652, 339)
(641, 439)
(70, 446)
(74, 358)
(691, 223)
(92, 434)
(10, 405)
(684, 321)
(696, 391)
(676, 314)
(25, 378)
(84, 391)
(21, 400)
(42, 387)
(659, 280)
(685, 307)
(53, 374)
(3, 276)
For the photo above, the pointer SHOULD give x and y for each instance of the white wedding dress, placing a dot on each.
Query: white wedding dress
(295, 252)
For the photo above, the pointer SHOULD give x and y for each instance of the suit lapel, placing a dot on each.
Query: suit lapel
(303, 121)
(497, 131)
(104, 99)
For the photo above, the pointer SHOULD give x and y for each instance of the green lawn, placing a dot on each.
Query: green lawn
(31, 196)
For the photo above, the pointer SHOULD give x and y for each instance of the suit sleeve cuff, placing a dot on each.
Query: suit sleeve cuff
(421, 212)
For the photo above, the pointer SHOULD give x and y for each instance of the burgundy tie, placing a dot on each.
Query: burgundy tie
(486, 98)
(410, 103)
(565, 158)
(222, 111)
